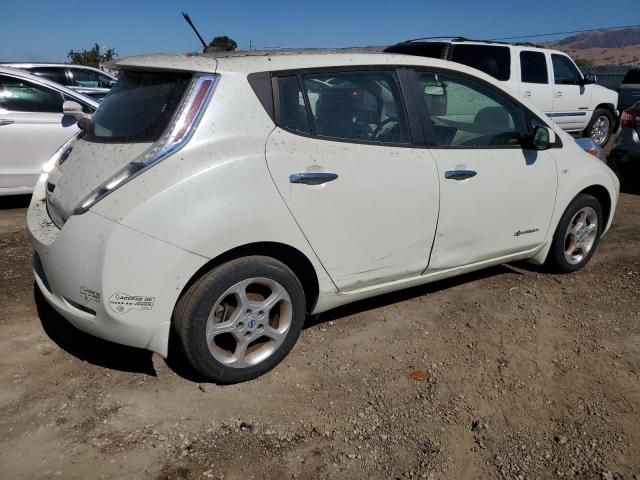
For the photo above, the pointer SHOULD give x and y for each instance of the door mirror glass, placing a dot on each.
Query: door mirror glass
(543, 138)
(590, 78)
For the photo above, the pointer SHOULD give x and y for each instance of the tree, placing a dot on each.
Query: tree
(584, 62)
(227, 43)
(91, 58)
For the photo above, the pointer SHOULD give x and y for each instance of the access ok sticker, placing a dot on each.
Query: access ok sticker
(123, 302)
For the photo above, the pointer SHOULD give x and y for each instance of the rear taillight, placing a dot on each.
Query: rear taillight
(174, 138)
(630, 118)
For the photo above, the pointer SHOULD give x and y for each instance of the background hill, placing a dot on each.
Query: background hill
(603, 47)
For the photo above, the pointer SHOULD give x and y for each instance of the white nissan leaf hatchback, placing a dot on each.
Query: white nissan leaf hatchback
(222, 198)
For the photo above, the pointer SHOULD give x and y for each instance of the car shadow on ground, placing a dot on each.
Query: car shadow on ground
(414, 292)
(89, 348)
(14, 201)
(128, 359)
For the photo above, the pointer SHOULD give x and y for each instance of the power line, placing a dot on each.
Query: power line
(564, 33)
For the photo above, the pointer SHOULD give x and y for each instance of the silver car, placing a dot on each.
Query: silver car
(86, 80)
(32, 126)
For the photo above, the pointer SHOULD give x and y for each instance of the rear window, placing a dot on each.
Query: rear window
(490, 59)
(632, 76)
(138, 108)
(427, 49)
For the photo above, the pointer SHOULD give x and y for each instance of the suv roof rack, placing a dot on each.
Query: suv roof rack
(464, 39)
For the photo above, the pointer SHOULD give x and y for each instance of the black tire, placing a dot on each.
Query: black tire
(193, 309)
(556, 260)
(600, 112)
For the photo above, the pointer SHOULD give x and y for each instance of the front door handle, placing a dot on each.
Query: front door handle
(459, 174)
(312, 178)
(6, 122)
(526, 94)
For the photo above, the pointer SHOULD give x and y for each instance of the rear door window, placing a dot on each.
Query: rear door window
(139, 107)
(632, 76)
(493, 60)
(85, 78)
(364, 106)
(533, 67)
(55, 74)
(564, 70)
(17, 95)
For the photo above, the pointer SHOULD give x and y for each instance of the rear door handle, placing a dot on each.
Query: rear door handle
(526, 94)
(6, 122)
(459, 174)
(312, 178)
(558, 94)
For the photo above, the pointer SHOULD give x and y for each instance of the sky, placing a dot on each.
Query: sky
(40, 30)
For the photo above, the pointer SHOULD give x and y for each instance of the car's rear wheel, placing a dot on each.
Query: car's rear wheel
(600, 126)
(241, 319)
(577, 235)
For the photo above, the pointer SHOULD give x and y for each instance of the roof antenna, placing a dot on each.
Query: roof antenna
(188, 20)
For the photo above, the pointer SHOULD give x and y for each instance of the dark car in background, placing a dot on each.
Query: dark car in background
(624, 158)
(629, 90)
(86, 80)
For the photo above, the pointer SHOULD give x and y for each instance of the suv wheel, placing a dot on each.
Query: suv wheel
(600, 126)
(577, 235)
(241, 319)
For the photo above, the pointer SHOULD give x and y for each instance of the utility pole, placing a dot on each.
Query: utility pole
(250, 44)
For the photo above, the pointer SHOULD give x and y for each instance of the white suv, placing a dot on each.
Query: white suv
(548, 79)
(224, 197)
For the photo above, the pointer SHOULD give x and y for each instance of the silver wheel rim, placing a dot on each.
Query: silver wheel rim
(581, 235)
(249, 322)
(600, 130)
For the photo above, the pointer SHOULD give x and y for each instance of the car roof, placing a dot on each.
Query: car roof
(16, 72)
(466, 41)
(49, 65)
(277, 60)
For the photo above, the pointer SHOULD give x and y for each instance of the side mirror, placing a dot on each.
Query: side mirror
(74, 109)
(543, 138)
(112, 83)
(589, 79)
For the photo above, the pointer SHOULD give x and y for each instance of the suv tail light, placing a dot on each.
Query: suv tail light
(174, 138)
(630, 118)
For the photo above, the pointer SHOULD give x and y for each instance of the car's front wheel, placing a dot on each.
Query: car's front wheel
(241, 319)
(577, 235)
(600, 127)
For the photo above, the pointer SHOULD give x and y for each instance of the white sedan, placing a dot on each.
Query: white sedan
(32, 126)
(222, 197)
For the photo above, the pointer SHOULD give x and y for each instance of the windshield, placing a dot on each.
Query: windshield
(138, 108)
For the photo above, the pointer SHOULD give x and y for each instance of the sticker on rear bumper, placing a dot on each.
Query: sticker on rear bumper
(89, 295)
(123, 302)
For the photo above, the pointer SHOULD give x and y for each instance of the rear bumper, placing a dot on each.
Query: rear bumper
(106, 279)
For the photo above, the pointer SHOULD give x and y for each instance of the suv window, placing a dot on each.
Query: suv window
(533, 67)
(139, 107)
(465, 113)
(564, 70)
(55, 74)
(632, 76)
(18, 95)
(492, 60)
(82, 77)
(361, 106)
(426, 49)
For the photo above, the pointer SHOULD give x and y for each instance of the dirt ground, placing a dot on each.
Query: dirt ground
(527, 375)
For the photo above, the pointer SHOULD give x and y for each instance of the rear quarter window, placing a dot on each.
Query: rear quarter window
(490, 59)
